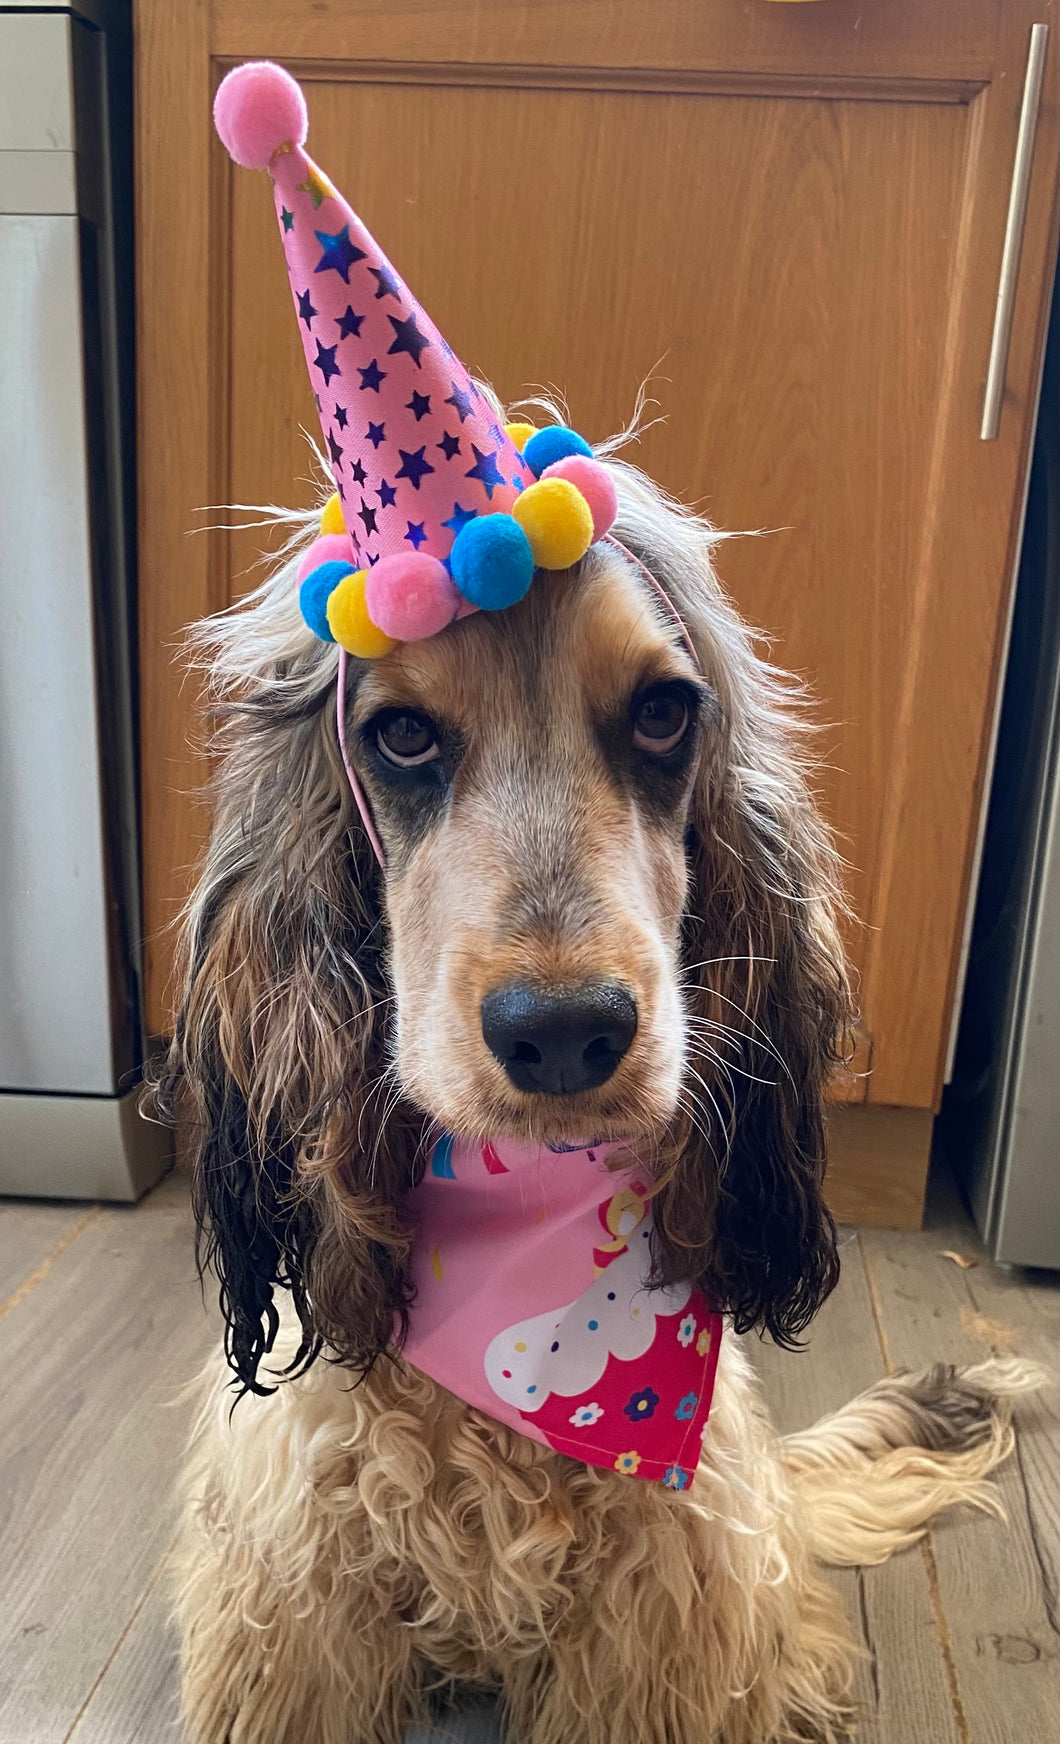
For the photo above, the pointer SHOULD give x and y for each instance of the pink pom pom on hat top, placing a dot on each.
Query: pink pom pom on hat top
(445, 510)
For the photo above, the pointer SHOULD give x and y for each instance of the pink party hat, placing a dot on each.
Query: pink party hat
(439, 508)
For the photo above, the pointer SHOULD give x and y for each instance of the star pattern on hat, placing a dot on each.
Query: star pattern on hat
(387, 282)
(485, 470)
(316, 186)
(348, 323)
(459, 518)
(339, 253)
(325, 361)
(372, 376)
(461, 400)
(407, 337)
(431, 458)
(414, 467)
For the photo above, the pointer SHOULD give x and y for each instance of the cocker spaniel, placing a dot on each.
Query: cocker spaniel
(568, 802)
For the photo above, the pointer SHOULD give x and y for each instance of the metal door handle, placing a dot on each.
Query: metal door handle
(1017, 213)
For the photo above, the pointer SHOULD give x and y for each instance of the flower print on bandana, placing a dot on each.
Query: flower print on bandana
(676, 1478)
(628, 1463)
(686, 1332)
(586, 1415)
(641, 1405)
(686, 1410)
(703, 1342)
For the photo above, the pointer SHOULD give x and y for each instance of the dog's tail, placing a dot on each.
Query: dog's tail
(872, 1476)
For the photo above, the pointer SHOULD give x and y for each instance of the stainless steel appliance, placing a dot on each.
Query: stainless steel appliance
(71, 1034)
(1000, 1120)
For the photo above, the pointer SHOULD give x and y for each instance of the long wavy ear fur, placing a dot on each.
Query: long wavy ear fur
(278, 1069)
(741, 1206)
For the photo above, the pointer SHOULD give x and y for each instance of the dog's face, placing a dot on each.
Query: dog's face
(608, 911)
(531, 774)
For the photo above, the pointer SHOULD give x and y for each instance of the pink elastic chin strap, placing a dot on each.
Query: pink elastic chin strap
(360, 798)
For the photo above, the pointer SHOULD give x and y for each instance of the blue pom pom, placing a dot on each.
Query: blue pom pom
(491, 561)
(554, 442)
(313, 596)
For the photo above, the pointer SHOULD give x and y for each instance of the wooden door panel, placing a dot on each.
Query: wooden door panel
(795, 212)
(900, 40)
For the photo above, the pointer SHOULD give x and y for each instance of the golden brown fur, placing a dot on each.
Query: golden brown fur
(348, 1547)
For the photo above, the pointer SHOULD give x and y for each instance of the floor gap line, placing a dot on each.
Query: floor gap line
(116, 1649)
(19, 1295)
(876, 1305)
(942, 1630)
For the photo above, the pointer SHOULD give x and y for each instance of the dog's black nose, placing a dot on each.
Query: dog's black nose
(555, 1044)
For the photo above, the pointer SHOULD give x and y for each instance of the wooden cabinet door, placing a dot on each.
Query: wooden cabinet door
(791, 218)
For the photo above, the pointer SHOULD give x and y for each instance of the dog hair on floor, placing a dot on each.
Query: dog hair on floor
(356, 1539)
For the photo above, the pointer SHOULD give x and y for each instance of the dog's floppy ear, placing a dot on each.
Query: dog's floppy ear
(768, 1031)
(769, 1003)
(277, 1068)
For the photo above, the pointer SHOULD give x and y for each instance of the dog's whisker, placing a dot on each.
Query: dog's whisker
(393, 1095)
(374, 1088)
(729, 1066)
(692, 1107)
(364, 1011)
(760, 1033)
(724, 1126)
(708, 962)
(722, 1034)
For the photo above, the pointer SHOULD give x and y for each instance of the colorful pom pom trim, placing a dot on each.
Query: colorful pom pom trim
(411, 596)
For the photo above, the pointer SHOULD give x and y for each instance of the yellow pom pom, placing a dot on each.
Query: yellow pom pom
(557, 521)
(331, 520)
(349, 622)
(520, 434)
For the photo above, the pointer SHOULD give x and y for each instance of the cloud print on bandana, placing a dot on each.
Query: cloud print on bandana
(414, 448)
(566, 1350)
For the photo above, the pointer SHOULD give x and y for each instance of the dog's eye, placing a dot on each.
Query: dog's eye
(660, 719)
(407, 739)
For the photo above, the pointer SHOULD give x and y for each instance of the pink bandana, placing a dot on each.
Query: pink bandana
(530, 1269)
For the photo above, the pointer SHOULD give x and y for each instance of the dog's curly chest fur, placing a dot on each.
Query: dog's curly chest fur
(423, 1541)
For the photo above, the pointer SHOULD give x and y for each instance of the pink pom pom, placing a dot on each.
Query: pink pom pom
(410, 596)
(329, 548)
(595, 484)
(258, 108)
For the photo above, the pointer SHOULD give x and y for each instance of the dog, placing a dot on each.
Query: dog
(566, 799)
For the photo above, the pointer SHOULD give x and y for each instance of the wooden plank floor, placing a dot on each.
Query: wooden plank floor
(101, 1322)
